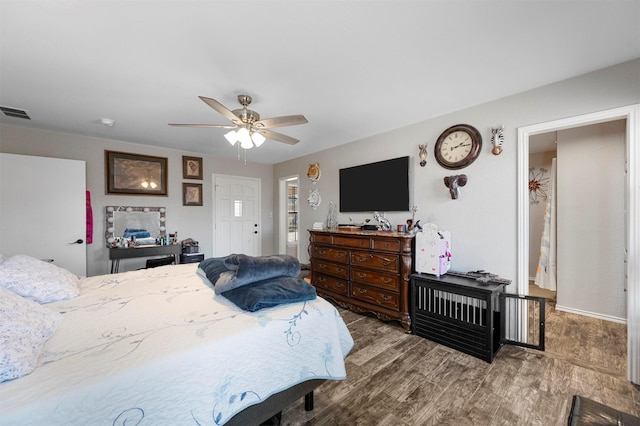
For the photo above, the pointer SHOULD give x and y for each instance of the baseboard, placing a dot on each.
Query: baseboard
(591, 314)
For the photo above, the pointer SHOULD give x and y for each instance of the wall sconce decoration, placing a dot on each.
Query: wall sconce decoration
(313, 173)
(497, 139)
(314, 198)
(423, 154)
(454, 183)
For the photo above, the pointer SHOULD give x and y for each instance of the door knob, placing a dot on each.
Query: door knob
(255, 232)
(78, 241)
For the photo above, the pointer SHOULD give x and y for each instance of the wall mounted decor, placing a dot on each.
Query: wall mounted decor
(314, 198)
(191, 167)
(135, 174)
(454, 183)
(497, 139)
(538, 185)
(314, 172)
(422, 154)
(191, 194)
(458, 146)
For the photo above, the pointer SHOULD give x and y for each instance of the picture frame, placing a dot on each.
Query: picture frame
(191, 167)
(191, 194)
(135, 174)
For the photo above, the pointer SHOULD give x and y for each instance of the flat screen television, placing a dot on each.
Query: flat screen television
(381, 186)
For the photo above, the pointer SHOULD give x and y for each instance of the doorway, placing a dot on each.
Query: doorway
(43, 205)
(289, 235)
(236, 212)
(632, 215)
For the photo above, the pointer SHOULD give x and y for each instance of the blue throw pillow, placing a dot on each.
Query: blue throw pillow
(271, 292)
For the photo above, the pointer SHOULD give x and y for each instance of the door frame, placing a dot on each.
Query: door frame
(631, 114)
(282, 217)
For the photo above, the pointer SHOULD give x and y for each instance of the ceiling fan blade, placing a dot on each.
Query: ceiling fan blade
(270, 134)
(215, 126)
(288, 120)
(223, 110)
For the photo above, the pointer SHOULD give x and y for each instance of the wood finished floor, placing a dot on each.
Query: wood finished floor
(396, 379)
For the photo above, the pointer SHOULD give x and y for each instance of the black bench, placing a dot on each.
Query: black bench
(585, 411)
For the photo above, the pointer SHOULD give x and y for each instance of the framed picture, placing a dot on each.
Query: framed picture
(135, 174)
(191, 167)
(191, 194)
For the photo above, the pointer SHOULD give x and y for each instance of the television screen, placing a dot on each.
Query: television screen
(382, 186)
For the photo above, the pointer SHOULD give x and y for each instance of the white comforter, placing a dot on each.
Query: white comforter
(157, 347)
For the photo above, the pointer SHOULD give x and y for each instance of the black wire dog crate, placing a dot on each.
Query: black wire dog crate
(458, 312)
(474, 315)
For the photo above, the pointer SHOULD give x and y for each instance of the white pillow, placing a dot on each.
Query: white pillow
(24, 328)
(35, 279)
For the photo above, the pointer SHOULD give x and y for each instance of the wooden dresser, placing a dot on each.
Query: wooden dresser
(364, 271)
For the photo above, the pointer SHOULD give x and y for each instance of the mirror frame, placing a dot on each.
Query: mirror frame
(109, 219)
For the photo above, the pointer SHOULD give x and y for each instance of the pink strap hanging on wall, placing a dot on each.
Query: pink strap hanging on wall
(89, 219)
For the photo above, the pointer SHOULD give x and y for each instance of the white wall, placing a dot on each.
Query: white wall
(190, 221)
(591, 220)
(483, 221)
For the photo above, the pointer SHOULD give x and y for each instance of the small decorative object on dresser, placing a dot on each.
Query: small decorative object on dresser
(364, 271)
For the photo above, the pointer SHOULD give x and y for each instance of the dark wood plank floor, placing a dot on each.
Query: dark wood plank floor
(395, 378)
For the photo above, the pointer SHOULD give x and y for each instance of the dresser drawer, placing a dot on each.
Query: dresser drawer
(322, 239)
(335, 254)
(376, 260)
(362, 242)
(330, 283)
(376, 279)
(337, 270)
(375, 296)
(387, 245)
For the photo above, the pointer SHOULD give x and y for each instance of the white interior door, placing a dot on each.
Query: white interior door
(43, 209)
(237, 215)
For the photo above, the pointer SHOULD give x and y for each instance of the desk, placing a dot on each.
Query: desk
(115, 254)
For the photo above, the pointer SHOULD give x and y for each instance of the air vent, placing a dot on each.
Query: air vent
(14, 112)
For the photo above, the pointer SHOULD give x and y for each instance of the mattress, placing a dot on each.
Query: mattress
(158, 347)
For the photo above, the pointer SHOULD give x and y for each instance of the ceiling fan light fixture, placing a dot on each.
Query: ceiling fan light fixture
(257, 138)
(232, 137)
(245, 138)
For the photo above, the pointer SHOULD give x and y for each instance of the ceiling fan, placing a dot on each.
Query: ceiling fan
(247, 127)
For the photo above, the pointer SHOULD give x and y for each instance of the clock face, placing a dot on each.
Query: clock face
(458, 146)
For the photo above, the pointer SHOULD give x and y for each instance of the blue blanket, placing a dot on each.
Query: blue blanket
(237, 270)
(271, 292)
(254, 283)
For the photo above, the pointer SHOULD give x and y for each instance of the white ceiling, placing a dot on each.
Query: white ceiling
(353, 68)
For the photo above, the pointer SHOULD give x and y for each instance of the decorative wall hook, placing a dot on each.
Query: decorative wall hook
(454, 183)
(423, 154)
(497, 138)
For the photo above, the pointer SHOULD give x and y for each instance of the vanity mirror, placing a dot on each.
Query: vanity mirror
(146, 224)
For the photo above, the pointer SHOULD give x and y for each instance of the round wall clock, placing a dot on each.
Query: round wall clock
(458, 146)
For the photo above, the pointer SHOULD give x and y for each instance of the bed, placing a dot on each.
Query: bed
(159, 347)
